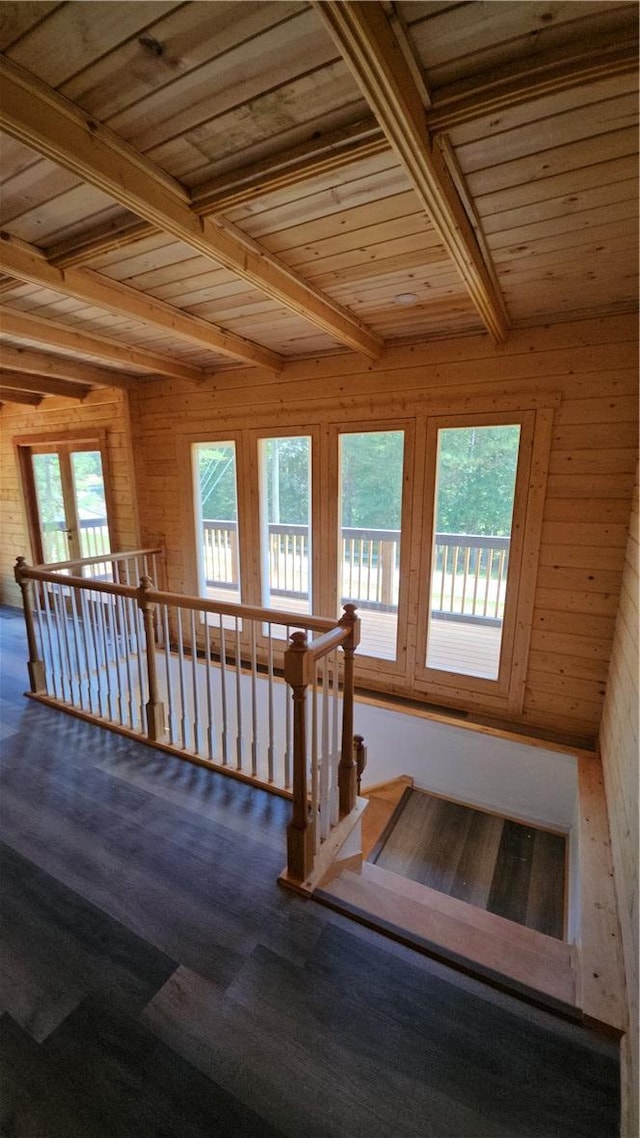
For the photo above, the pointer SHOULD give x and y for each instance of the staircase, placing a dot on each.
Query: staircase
(522, 959)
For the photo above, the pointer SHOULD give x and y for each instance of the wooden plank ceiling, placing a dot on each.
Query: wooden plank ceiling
(191, 187)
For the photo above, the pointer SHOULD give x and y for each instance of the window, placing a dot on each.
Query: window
(216, 495)
(371, 465)
(474, 495)
(285, 522)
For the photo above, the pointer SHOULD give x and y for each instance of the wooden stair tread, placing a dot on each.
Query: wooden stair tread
(500, 949)
(530, 939)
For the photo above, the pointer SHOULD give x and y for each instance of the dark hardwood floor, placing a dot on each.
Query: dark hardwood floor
(505, 867)
(156, 982)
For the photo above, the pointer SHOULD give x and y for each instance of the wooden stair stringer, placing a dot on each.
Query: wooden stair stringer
(528, 961)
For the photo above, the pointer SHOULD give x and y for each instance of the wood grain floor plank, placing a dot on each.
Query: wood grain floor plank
(281, 1017)
(545, 903)
(476, 865)
(510, 885)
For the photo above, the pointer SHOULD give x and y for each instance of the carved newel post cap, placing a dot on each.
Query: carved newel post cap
(298, 642)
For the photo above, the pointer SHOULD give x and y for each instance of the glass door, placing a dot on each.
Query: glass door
(66, 501)
(370, 517)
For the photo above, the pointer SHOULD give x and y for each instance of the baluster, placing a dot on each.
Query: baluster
(114, 607)
(325, 758)
(168, 674)
(254, 702)
(315, 782)
(488, 581)
(76, 649)
(465, 578)
(183, 702)
(270, 745)
(445, 549)
(476, 576)
(501, 562)
(347, 772)
(239, 739)
(207, 669)
(335, 732)
(194, 684)
(102, 621)
(54, 653)
(125, 613)
(93, 602)
(223, 694)
(86, 639)
(35, 666)
(301, 828)
(287, 729)
(67, 649)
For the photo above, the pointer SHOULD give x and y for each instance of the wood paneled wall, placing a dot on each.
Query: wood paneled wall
(619, 747)
(591, 365)
(105, 408)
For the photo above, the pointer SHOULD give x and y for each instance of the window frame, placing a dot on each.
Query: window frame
(508, 690)
(62, 443)
(396, 669)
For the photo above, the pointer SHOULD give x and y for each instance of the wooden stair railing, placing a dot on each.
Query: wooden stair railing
(204, 680)
(325, 778)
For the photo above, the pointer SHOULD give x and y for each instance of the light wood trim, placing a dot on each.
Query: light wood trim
(103, 239)
(507, 691)
(25, 325)
(601, 975)
(28, 264)
(528, 569)
(490, 95)
(54, 127)
(16, 381)
(29, 398)
(60, 367)
(312, 159)
(366, 40)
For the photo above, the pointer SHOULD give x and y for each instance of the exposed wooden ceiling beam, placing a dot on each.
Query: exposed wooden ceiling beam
(368, 45)
(29, 264)
(51, 125)
(26, 326)
(28, 397)
(19, 381)
(59, 367)
(483, 94)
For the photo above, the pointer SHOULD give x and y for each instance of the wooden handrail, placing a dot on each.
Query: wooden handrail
(121, 638)
(98, 559)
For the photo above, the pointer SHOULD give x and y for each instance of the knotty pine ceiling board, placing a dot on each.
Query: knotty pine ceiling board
(462, 40)
(16, 19)
(565, 215)
(292, 114)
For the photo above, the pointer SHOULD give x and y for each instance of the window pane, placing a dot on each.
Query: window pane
(91, 504)
(475, 487)
(371, 507)
(286, 523)
(217, 510)
(53, 522)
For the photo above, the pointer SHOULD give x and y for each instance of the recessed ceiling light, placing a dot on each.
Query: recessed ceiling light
(406, 298)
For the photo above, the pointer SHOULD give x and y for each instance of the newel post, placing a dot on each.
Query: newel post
(37, 678)
(301, 828)
(347, 771)
(155, 707)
